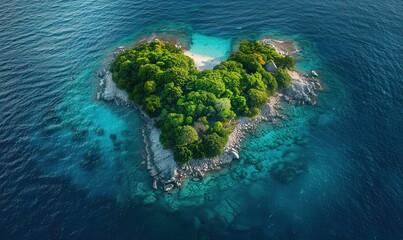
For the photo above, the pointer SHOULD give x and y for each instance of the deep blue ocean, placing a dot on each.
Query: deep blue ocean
(50, 52)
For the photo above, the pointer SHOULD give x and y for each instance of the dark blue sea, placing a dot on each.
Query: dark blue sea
(352, 188)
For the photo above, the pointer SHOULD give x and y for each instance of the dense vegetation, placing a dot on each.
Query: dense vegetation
(194, 109)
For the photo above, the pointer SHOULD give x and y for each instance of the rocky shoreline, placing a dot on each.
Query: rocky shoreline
(166, 173)
(107, 89)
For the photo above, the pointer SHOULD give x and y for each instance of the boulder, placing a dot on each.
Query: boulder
(155, 186)
(168, 187)
(270, 67)
(196, 179)
(300, 91)
(234, 153)
(101, 74)
(91, 158)
(286, 171)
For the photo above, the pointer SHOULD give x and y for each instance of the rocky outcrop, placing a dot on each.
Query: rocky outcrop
(160, 161)
(227, 210)
(155, 184)
(302, 89)
(234, 154)
(168, 187)
(286, 171)
(109, 91)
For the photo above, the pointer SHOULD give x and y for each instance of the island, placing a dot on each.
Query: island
(196, 119)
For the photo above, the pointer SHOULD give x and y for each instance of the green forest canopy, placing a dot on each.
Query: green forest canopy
(195, 109)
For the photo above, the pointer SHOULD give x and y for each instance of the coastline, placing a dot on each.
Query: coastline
(284, 47)
(166, 173)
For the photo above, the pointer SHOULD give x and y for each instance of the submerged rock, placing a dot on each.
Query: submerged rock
(227, 210)
(300, 141)
(99, 131)
(196, 179)
(234, 153)
(113, 137)
(79, 135)
(149, 199)
(101, 74)
(155, 184)
(91, 158)
(286, 171)
(168, 187)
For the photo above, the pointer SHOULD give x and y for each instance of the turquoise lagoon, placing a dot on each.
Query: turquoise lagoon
(213, 47)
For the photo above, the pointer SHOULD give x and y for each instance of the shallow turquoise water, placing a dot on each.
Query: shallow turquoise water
(213, 47)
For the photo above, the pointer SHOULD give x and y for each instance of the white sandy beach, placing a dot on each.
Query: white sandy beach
(203, 62)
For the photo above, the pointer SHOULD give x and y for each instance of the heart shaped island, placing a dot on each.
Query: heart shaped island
(196, 119)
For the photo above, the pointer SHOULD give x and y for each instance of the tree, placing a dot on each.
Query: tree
(259, 83)
(217, 126)
(152, 105)
(286, 62)
(187, 134)
(232, 77)
(197, 150)
(213, 144)
(256, 98)
(282, 78)
(253, 112)
(171, 93)
(226, 115)
(230, 66)
(148, 71)
(211, 82)
(188, 120)
(222, 104)
(149, 87)
(176, 75)
(238, 104)
(270, 81)
(260, 59)
(247, 81)
(189, 108)
(249, 62)
(182, 154)
(209, 111)
(174, 120)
